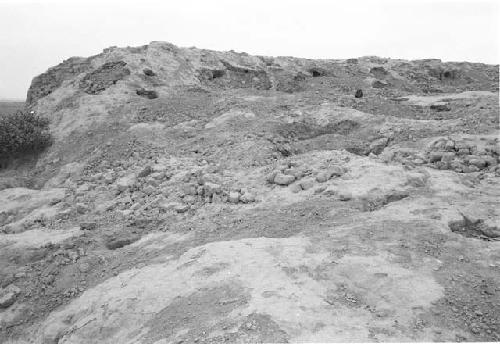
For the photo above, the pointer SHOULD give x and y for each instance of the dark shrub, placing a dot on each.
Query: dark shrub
(21, 134)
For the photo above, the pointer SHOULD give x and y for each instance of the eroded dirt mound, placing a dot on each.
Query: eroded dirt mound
(194, 196)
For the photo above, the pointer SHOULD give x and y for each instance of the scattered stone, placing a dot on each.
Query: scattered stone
(457, 166)
(323, 176)
(149, 190)
(270, 177)
(478, 162)
(148, 72)
(295, 188)
(449, 145)
(181, 208)
(283, 179)
(189, 199)
(306, 184)
(125, 183)
(189, 189)
(247, 197)
(146, 171)
(439, 107)
(147, 93)
(120, 240)
(135, 206)
(84, 267)
(320, 189)
(8, 296)
(330, 191)
(377, 146)
(209, 189)
(83, 188)
(380, 84)
(448, 157)
(234, 197)
(435, 156)
(336, 171)
(297, 173)
(81, 208)
(345, 196)
(88, 226)
(108, 178)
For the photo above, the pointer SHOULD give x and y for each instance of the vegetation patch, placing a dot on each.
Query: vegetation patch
(22, 134)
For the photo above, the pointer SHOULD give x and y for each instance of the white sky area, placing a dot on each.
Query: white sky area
(35, 35)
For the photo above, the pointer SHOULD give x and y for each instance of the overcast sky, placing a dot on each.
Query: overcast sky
(35, 35)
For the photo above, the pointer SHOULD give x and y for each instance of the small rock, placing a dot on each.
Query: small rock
(108, 178)
(270, 177)
(135, 206)
(490, 161)
(189, 189)
(448, 157)
(377, 146)
(479, 163)
(157, 176)
(283, 179)
(88, 226)
(189, 199)
(149, 94)
(306, 184)
(125, 182)
(380, 84)
(345, 196)
(297, 173)
(457, 166)
(81, 208)
(146, 171)
(336, 171)
(439, 107)
(148, 72)
(358, 94)
(247, 197)
(181, 208)
(295, 188)
(149, 190)
(211, 188)
(323, 176)
(84, 267)
(320, 189)
(113, 243)
(159, 167)
(435, 156)
(450, 145)
(234, 197)
(8, 296)
(331, 191)
(82, 188)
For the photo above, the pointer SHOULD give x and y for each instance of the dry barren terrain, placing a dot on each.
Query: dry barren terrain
(195, 196)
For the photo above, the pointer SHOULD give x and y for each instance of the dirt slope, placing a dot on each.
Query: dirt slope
(195, 196)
